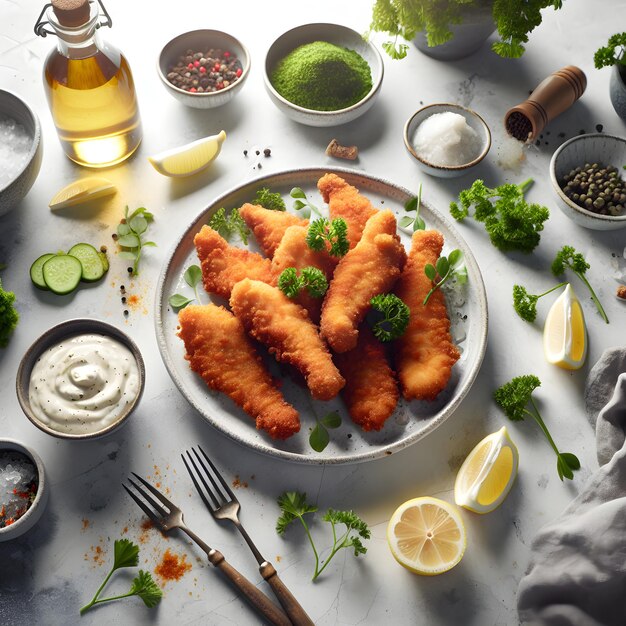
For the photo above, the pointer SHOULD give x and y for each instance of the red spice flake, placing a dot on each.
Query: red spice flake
(124, 530)
(172, 566)
(95, 555)
(237, 483)
(86, 524)
(133, 301)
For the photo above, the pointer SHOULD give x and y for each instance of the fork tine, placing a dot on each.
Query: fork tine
(146, 509)
(170, 505)
(197, 484)
(216, 487)
(219, 475)
(151, 501)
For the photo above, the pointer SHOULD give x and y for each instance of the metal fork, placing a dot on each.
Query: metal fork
(226, 506)
(167, 516)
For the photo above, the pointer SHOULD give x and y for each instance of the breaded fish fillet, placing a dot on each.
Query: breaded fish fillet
(223, 265)
(345, 201)
(372, 267)
(293, 251)
(268, 226)
(425, 353)
(220, 351)
(284, 326)
(371, 392)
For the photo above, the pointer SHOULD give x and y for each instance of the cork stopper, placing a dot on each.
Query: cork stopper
(71, 13)
(554, 95)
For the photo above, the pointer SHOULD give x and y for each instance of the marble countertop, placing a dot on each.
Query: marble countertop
(46, 575)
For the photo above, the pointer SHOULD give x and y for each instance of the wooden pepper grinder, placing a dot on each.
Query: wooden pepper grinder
(554, 95)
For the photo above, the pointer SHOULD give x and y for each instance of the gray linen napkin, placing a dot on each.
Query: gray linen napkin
(577, 571)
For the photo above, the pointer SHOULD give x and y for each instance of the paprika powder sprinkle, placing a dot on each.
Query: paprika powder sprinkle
(172, 566)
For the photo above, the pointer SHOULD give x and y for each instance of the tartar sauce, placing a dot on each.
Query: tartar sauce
(83, 384)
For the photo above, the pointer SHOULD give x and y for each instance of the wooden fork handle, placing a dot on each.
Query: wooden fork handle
(293, 608)
(255, 596)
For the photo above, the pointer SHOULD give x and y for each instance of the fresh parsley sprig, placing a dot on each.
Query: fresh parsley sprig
(514, 398)
(512, 223)
(302, 203)
(269, 200)
(568, 258)
(228, 225)
(525, 304)
(452, 266)
(614, 53)
(320, 437)
(414, 204)
(390, 317)
(294, 506)
(335, 233)
(311, 278)
(192, 276)
(129, 235)
(126, 554)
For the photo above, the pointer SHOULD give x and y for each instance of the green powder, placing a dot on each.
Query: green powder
(322, 76)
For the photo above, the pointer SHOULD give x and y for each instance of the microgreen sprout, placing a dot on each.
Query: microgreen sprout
(525, 304)
(311, 278)
(568, 258)
(269, 200)
(414, 204)
(129, 235)
(126, 554)
(228, 225)
(302, 203)
(293, 505)
(319, 437)
(389, 317)
(192, 276)
(514, 398)
(335, 233)
(452, 266)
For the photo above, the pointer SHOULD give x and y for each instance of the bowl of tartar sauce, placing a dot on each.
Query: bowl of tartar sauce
(80, 379)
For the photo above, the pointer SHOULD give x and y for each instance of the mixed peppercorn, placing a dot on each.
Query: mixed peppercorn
(205, 72)
(596, 188)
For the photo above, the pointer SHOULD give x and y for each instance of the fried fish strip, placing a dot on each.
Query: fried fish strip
(268, 226)
(284, 326)
(371, 392)
(293, 251)
(223, 265)
(346, 201)
(425, 353)
(219, 350)
(372, 267)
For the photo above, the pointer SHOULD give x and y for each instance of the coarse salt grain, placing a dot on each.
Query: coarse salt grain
(15, 145)
(17, 477)
(446, 139)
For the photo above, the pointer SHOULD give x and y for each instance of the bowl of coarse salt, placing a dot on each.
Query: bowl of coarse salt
(447, 140)
(20, 150)
(23, 489)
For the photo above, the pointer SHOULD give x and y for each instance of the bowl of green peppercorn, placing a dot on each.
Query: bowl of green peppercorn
(323, 74)
(587, 174)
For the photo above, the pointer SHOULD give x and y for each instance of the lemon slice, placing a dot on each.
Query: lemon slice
(487, 474)
(565, 333)
(190, 158)
(82, 190)
(427, 536)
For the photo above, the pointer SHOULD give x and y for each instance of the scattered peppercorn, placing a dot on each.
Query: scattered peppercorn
(114, 236)
(599, 128)
(200, 72)
(122, 288)
(126, 313)
(123, 299)
(596, 188)
(245, 153)
(267, 152)
(129, 270)
(257, 152)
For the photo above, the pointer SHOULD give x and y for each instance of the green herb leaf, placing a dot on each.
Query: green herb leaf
(406, 221)
(293, 505)
(193, 275)
(127, 255)
(430, 271)
(129, 241)
(296, 192)
(139, 224)
(332, 236)
(178, 301)
(319, 438)
(130, 231)
(389, 318)
(143, 585)
(269, 200)
(446, 269)
(9, 317)
(126, 554)
(411, 204)
(228, 225)
(331, 420)
(123, 229)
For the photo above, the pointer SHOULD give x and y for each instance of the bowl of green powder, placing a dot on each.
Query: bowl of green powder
(323, 74)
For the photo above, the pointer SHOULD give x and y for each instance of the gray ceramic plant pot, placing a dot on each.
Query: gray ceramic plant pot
(467, 37)
(617, 90)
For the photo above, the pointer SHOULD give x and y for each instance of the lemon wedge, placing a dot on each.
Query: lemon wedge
(82, 190)
(565, 332)
(487, 474)
(427, 536)
(190, 158)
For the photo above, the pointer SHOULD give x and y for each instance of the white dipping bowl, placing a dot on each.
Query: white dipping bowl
(474, 121)
(591, 148)
(340, 36)
(32, 516)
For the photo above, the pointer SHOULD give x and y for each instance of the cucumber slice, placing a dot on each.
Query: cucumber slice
(62, 273)
(93, 268)
(36, 271)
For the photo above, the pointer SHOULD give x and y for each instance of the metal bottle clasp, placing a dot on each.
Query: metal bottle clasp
(42, 31)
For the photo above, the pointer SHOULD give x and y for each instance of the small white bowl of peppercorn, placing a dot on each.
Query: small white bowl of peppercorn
(323, 74)
(588, 177)
(204, 68)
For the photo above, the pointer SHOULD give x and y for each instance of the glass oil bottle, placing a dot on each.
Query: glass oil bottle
(89, 86)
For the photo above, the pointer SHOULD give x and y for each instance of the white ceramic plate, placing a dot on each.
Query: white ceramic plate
(410, 422)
